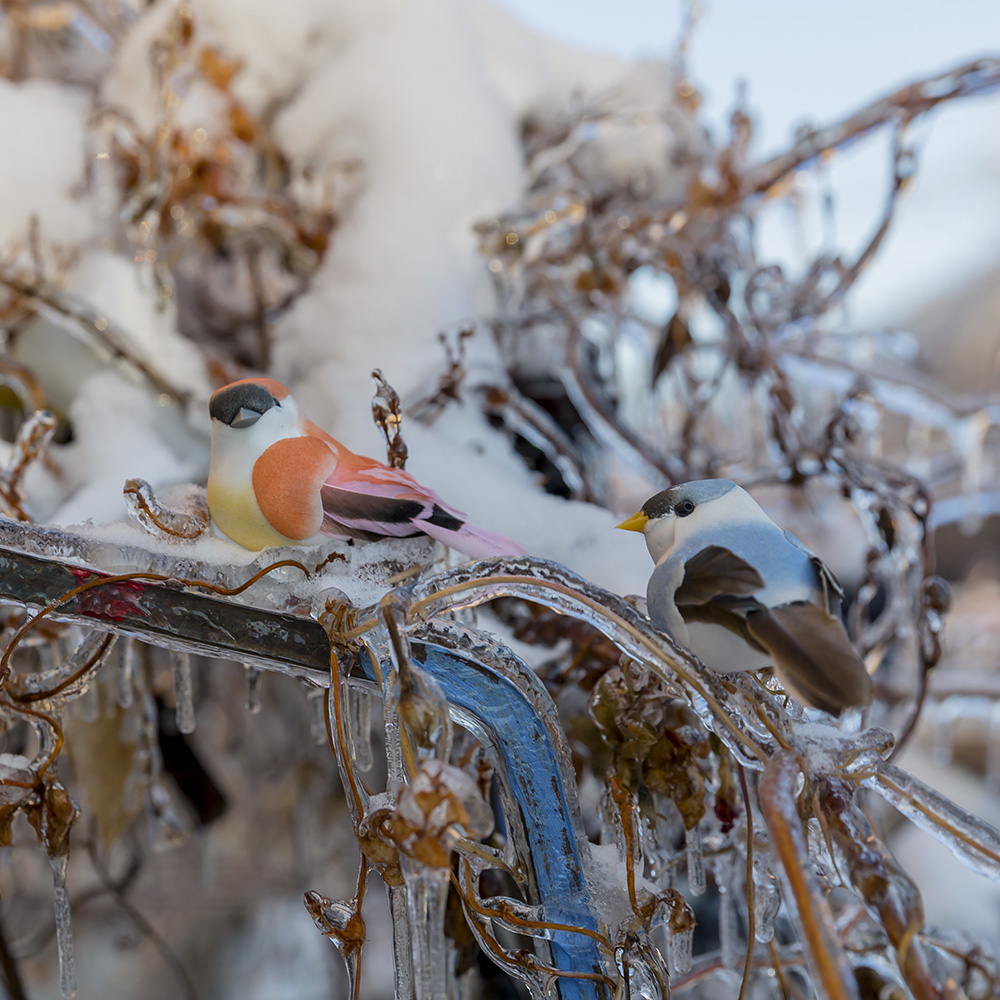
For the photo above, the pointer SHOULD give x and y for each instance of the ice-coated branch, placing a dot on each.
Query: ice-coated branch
(972, 840)
(30, 445)
(143, 506)
(879, 881)
(554, 586)
(978, 77)
(825, 956)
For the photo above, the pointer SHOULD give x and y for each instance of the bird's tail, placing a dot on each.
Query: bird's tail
(473, 541)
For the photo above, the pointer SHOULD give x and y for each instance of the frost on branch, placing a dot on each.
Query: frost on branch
(549, 789)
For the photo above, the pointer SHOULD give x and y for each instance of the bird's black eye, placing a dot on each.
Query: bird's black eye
(684, 508)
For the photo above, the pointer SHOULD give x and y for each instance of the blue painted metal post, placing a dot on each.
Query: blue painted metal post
(529, 752)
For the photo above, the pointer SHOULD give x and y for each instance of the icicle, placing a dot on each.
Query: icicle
(64, 927)
(359, 708)
(695, 862)
(402, 969)
(90, 702)
(942, 723)
(316, 700)
(253, 688)
(341, 922)
(167, 828)
(993, 749)
(426, 895)
(180, 665)
(682, 950)
(128, 653)
(728, 917)
(467, 985)
(655, 833)
(969, 437)
(766, 903)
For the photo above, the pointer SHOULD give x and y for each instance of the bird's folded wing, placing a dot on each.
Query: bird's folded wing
(833, 592)
(286, 482)
(716, 572)
(813, 656)
(365, 514)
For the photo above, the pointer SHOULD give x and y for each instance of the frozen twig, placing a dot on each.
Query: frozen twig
(978, 77)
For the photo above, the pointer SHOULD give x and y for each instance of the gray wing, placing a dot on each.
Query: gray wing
(833, 592)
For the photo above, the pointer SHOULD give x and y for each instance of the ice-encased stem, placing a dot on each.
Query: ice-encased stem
(64, 927)
(973, 841)
(180, 666)
(426, 896)
(340, 921)
(558, 588)
(71, 677)
(827, 962)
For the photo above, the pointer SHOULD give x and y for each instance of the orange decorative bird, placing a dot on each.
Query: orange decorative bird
(278, 479)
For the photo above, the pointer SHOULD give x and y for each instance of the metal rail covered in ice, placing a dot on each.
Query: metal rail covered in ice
(501, 701)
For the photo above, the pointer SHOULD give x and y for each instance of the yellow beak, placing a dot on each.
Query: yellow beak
(637, 522)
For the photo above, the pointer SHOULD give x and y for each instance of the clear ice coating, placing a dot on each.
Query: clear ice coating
(341, 922)
(408, 649)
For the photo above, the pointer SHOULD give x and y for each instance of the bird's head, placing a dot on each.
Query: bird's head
(674, 514)
(253, 413)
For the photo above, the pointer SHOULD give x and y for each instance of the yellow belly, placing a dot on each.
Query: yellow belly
(236, 514)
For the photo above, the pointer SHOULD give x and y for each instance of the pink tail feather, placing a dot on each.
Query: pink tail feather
(473, 541)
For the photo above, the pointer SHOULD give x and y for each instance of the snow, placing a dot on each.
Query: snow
(128, 297)
(122, 431)
(43, 128)
(403, 264)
